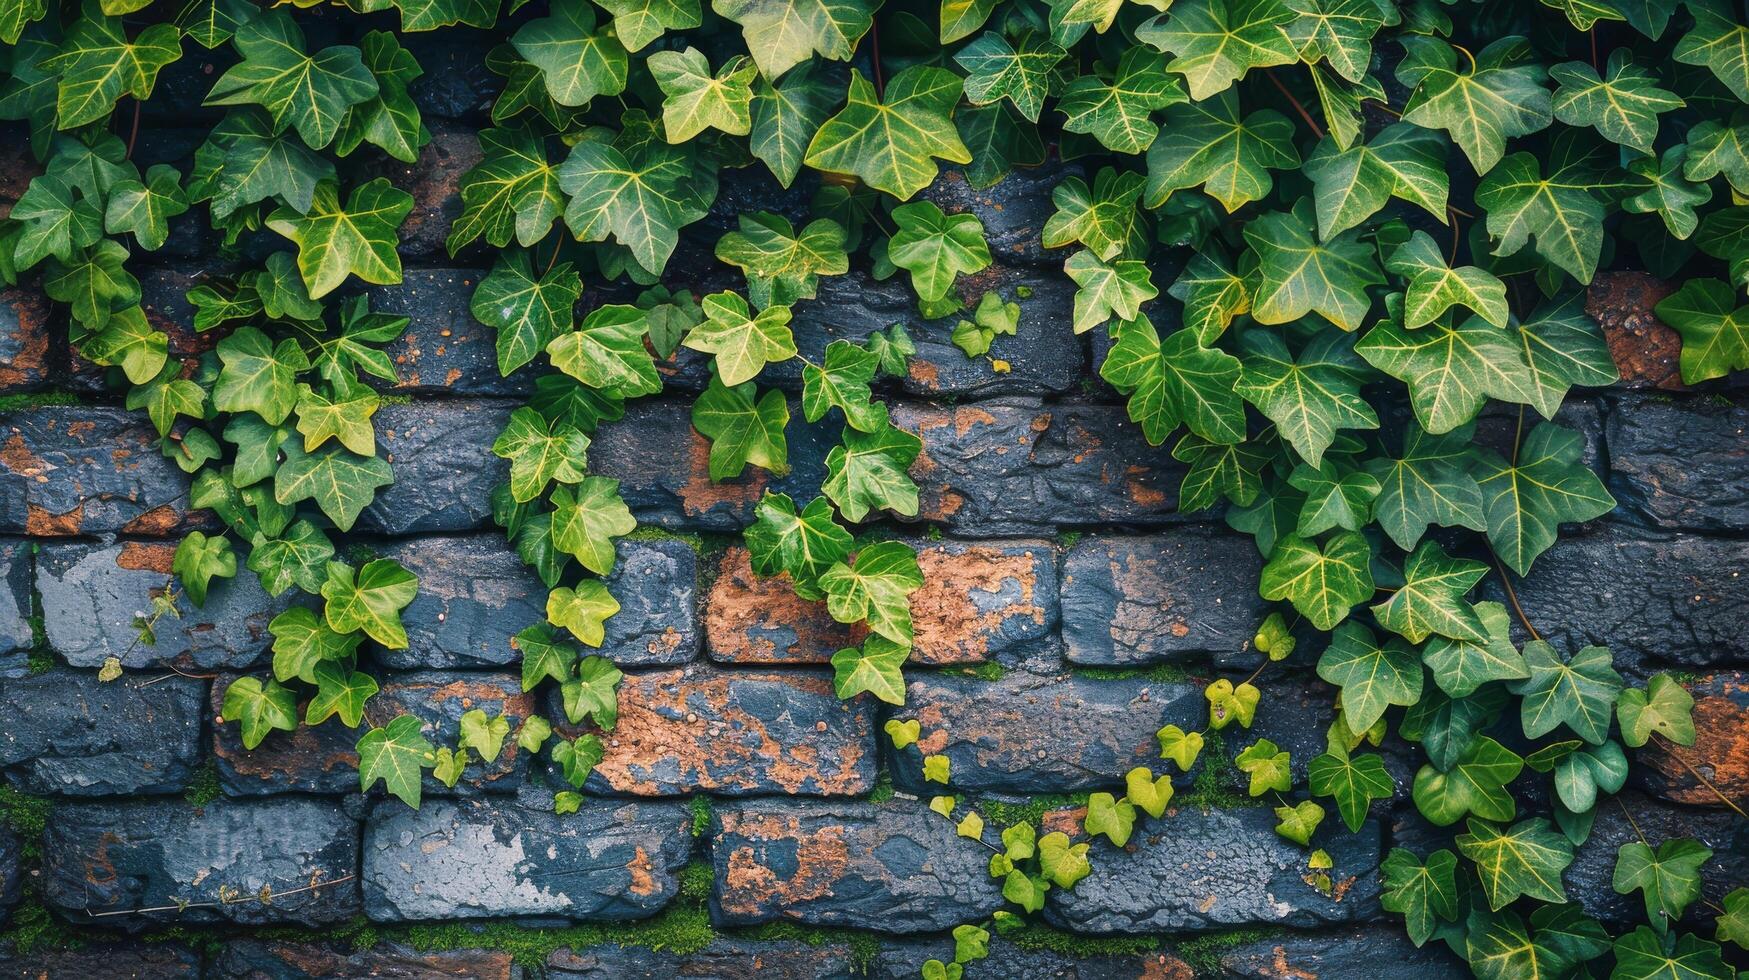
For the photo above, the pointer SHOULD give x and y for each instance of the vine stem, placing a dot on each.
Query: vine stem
(874, 41)
(312, 886)
(1468, 55)
(133, 132)
(1317, 130)
(1670, 747)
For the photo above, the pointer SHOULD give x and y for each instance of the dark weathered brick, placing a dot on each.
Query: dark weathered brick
(91, 595)
(434, 181)
(1647, 596)
(893, 867)
(1721, 746)
(444, 350)
(1198, 870)
(754, 620)
(469, 859)
(15, 585)
(1007, 961)
(26, 349)
(324, 759)
(1360, 953)
(106, 961)
(68, 733)
(1589, 879)
(1645, 349)
(18, 166)
(1018, 467)
(456, 84)
(475, 593)
(1029, 734)
(444, 469)
(112, 857)
(1013, 211)
(250, 959)
(656, 585)
(723, 959)
(1183, 594)
(69, 470)
(1681, 464)
(735, 733)
(11, 872)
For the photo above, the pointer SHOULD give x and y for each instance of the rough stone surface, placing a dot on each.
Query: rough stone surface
(1028, 734)
(11, 872)
(15, 586)
(71, 470)
(67, 733)
(1363, 953)
(656, 585)
(444, 469)
(1720, 751)
(735, 733)
(469, 859)
(894, 867)
(754, 620)
(1589, 878)
(1647, 596)
(26, 358)
(1180, 595)
(444, 349)
(723, 959)
(91, 595)
(249, 959)
(1199, 870)
(324, 759)
(107, 857)
(434, 181)
(1646, 350)
(106, 961)
(1013, 211)
(1015, 467)
(904, 961)
(1682, 465)
(475, 593)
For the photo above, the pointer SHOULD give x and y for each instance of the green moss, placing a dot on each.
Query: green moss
(204, 787)
(989, 670)
(1038, 936)
(1158, 673)
(696, 879)
(683, 928)
(1211, 788)
(864, 947)
(883, 789)
(933, 533)
(397, 399)
(1203, 953)
(32, 928)
(1068, 539)
(24, 815)
(41, 399)
(647, 532)
(1008, 813)
(701, 815)
(40, 661)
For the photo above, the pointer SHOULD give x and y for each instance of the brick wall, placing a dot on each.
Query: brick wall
(1070, 611)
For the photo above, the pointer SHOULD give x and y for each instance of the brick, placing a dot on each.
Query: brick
(1184, 594)
(1681, 464)
(26, 361)
(1014, 467)
(1200, 870)
(111, 857)
(978, 600)
(1589, 879)
(1013, 211)
(735, 733)
(444, 350)
(893, 867)
(250, 959)
(456, 84)
(434, 181)
(15, 598)
(441, 452)
(656, 584)
(475, 593)
(1026, 734)
(1720, 751)
(67, 733)
(904, 961)
(11, 872)
(470, 859)
(92, 593)
(324, 759)
(1676, 598)
(71, 470)
(723, 959)
(1356, 953)
(106, 961)
(17, 166)
(1646, 350)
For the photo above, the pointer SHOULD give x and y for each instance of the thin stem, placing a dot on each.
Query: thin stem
(874, 41)
(1512, 596)
(1317, 130)
(313, 886)
(133, 132)
(555, 259)
(1670, 747)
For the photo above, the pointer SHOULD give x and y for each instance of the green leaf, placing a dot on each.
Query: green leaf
(935, 247)
(1662, 707)
(511, 194)
(1431, 599)
(310, 93)
(1527, 501)
(1561, 211)
(874, 588)
(339, 692)
(1310, 398)
(1103, 219)
(96, 286)
(1524, 860)
(1323, 583)
(1667, 192)
(744, 343)
(16, 15)
(1336, 496)
(641, 199)
(1578, 692)
(527, 311)
(1645, 954)
(259, 709)
(166, 397)
(1212, 296)
(1624, 106)
(1372, 677)
(1461, 666)
(782, 266)
(54, 222)
(1228, 704)
(1451, 371)
(607, 353)
(540, 454)
(396, 754)
(1353, 782)
(1231, 471)
(199, 559)
(1119, 113)
(785, 33)
(370, 600)
(583, 610)
(1023, 74)
(804, 544)
(258, 375)
(1024, 891)
(991, 319)
(144, 210)
(578, 757)
(961, 18)
(1715, 333)
(888, 143)
(357, 239)
(904, 733)
(299, 558)
(341, 412)
(594, 692)
(576, 61)
(1719, 43)
(341, 482)
(1500, 95)
(842, 380)
(1297, 275)
(544, 654)
(1475, 784)
(1216, 42)
(638, 22)
(1209, 144)
(1268, 766)
(1063, 863)
(1425, 894)
(302, 642)
(1110, 816)
(97, 65)
(1714, 149)
(1499, 947)
(389, 120)
(1353, 184)
(244, 162)
(868, 471)
(1435, 287)
(1299, 822)
(695, 100)
(741, 430)
(1581, 771)
(1734, 923)
(1146, 792)
(1668, 878)
(484, 735)
(1107, 289)
(1337, 31)
(785, 117)
(1175, 381)
(1563, 347)
(586, 521)
(875, 669)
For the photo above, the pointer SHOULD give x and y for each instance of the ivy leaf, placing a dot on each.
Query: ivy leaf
(962, 18)
(1323, 583)
(258, 375)
(1175, 381)
(643, 204)
(1337, 495)
(1499, 97)
(1645, 954)
(1663, 707)
(1580, 771)
(743, 343)
(53, 222)
(511, 194)
(1526, 502)
(1475, 784)
(1212, 296)
(259, 709)
(244, 161)
(587, 519)
(145, 209)
(578, 758)
(890, 143)
(695, 100)
(1425, 894)
(607, 353)
(339, 692)
(357, 239)
(1460, 667)
(1215, 470)
(199, 559)
(996, 69)
(782, 266)
(842, 380)
(1337, 31)
(1624, 107)
(1560, 211)
(544, 654)
(1108, 815)
(1563, 347)
(341, 482)
(1434, 287)
(390, 119)
(540, 454)
(1426, 484)
(96, 286)
(874, 669)
(528, 311)
(1667, 192)
(1451, 371)
(741, 430)
(16, 15)
(1353, 782)
(638, 22)
(1297, 275)
(1149, 794)
(426, 15)
(397, 754)
(299, 558)
(784, 33)
(97, 65)
(302, 642)
(1578, 692)
(1228, 704)
(1103, 219)
(935, 247)
(1668, 878)
(310, 93)
(1351, 185)
(583, 611)
(1718, 43)
(1180, 746)
(166, 397)
(1216, 42)
(1209, 144)
(1268, 766)
(1310, 398)
(370, 600)
(1714, 149)
(874, 588)
(1431, 599)
(1107, 289)
(993, 317)
(1119, 113)
(1372, 677)
(1500, 947)
(127, 341)
(1733, 925)
(1299, 822)
(785, 117)
(1715, 333)
(802, 543)
(342, 412)
(576, 61)
(868, 472)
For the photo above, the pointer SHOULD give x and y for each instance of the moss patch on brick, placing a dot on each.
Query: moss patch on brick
(1204, 952)
(1158, 673)
(1038, 936)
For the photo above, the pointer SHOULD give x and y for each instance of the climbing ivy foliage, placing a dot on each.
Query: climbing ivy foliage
(1332, 252)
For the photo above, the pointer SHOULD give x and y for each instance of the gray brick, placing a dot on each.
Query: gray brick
(71, 470)
(68, 733)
